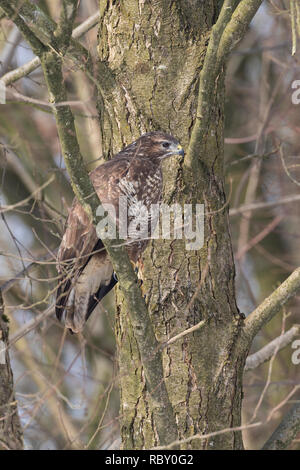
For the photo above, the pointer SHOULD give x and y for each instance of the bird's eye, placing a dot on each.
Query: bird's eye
(166, 145)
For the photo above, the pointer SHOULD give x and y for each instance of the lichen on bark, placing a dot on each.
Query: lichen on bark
(155, 51)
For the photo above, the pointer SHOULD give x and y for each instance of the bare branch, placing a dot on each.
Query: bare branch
(31, 325)
(288, 173)
(264, 354)
(9, 48)
(33, 64)
(19, 15)
(48, 393)
(20, 72)
(64, 28)
(272, 304)
(188, 331)
(295, 24)
(259, 237)
(264, 205)
(38, 29)
(286, 431)
(22, 274)
(28, 198)
(207, 80)
(228, 30)
(206, 436)
(237, 27)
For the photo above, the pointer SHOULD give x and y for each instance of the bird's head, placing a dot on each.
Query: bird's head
(158, 145)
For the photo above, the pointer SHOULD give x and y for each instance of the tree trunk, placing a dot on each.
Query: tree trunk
(155, 50)
(10, 429)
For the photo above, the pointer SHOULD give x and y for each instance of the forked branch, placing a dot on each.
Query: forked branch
(226, 33)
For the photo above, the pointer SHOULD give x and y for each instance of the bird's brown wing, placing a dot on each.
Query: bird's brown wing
(86, 274)
(78, 243)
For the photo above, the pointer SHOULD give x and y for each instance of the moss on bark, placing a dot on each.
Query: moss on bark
(155, 51)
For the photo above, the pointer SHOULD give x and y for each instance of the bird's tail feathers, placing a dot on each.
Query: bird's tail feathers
(95, 281)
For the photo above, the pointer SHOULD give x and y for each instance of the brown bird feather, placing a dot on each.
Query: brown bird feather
(82, 262)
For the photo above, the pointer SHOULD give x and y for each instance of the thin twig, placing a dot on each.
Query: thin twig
(263, 355)
(207, 436)
(264, 205)
(286, 431)
(272, 304)
(259, 237)
(33, 64)
(11, 207)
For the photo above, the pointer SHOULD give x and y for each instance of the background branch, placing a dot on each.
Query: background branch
(236, 28)
(26, 69)
(272, 304)
(228, 30)
(286, 431)
(263, 205)
(64, 28)
(38, 30)
(19, 15)
(264, 354)
(207, 83)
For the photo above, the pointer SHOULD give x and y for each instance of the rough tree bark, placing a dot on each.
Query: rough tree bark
(11, 437)
(155, 51)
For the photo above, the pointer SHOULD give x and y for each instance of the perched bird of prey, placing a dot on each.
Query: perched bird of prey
(86, 273)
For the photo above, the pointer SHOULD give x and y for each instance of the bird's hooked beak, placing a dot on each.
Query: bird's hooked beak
(174, 150)
(180, 151)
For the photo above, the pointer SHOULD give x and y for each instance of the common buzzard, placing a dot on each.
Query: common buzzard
(86, 273)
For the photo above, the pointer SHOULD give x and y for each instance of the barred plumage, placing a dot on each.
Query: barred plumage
(86, 272)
